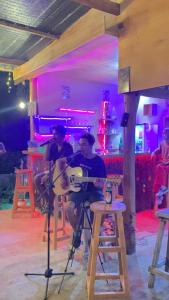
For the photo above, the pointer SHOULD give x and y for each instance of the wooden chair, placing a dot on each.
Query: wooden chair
(23, 185)
(154, 270)
(100, 209)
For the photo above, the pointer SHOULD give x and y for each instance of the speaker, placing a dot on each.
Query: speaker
(150, 110)
(124, 120)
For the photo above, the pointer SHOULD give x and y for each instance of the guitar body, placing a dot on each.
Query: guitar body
(74, 177)
(70, 175)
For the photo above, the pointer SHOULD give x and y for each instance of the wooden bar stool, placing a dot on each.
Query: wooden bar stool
(59, 203)
(154, 270)
(23, 185)
(100, 209)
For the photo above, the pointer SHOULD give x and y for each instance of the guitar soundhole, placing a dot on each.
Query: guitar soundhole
(73, 182)
(72, 179)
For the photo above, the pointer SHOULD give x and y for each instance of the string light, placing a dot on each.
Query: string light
(9, 82)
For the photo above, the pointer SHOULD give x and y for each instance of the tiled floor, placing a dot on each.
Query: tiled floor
(22, 250)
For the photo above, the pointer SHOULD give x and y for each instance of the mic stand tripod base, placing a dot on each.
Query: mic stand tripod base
(48, 274)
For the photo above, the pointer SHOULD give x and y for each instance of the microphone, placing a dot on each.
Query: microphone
(47, 142)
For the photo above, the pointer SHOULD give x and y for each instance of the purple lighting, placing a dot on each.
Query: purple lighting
(80, 111)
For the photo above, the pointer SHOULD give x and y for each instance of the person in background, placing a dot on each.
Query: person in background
(94, 166)
(56, 148)
(161, 155)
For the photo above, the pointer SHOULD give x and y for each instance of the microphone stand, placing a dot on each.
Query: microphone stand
(49, 271)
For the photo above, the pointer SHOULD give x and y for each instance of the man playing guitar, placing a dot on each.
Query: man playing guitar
(91, 192)
(94, 166)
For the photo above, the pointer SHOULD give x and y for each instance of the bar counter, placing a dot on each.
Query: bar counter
(144, 175)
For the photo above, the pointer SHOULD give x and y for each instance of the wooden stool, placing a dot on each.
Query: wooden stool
(99, 209)
(163, 215)
(23, 184)
(59, 202)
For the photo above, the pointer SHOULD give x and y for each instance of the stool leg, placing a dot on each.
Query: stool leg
(167, 256)
(45, 228)
(32, 202)
(15, 201)
(167, 195)
(91, 271)
(63, 215)
(45, 225)
(122, 255)
(56, 207)
(89, 259)
(156, 253)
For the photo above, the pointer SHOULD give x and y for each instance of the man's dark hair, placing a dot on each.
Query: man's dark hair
(60, 129)
(89, 137)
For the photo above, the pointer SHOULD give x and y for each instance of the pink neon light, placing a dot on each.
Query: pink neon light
(55, 118)
(42, 137)
(81, 111)
(78, 127)
(50, 135)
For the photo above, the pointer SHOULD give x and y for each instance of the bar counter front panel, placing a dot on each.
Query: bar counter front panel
(144, 175)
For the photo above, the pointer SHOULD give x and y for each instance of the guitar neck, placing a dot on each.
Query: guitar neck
(95, 179)
(91, 179)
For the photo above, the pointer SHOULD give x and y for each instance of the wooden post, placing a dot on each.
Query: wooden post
(131, 101)
(32, 98)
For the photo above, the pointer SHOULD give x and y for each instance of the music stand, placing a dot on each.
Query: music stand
(49, 271)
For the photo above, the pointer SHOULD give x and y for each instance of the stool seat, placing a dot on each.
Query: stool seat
(154, 270)
(99, 209)
(163, 213)
(104, 208)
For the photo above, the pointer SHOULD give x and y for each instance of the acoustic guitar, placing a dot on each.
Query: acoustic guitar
(74, 178)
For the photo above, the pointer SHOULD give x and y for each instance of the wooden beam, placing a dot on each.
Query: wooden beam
(11, 61)
(103, 5)
(7, 68)
(29, 29)
(87, 28)
(143, 42)
(160, 93)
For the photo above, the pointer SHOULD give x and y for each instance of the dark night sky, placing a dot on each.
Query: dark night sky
(14, 124)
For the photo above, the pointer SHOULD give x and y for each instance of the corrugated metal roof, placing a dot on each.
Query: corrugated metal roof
(53, 16)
